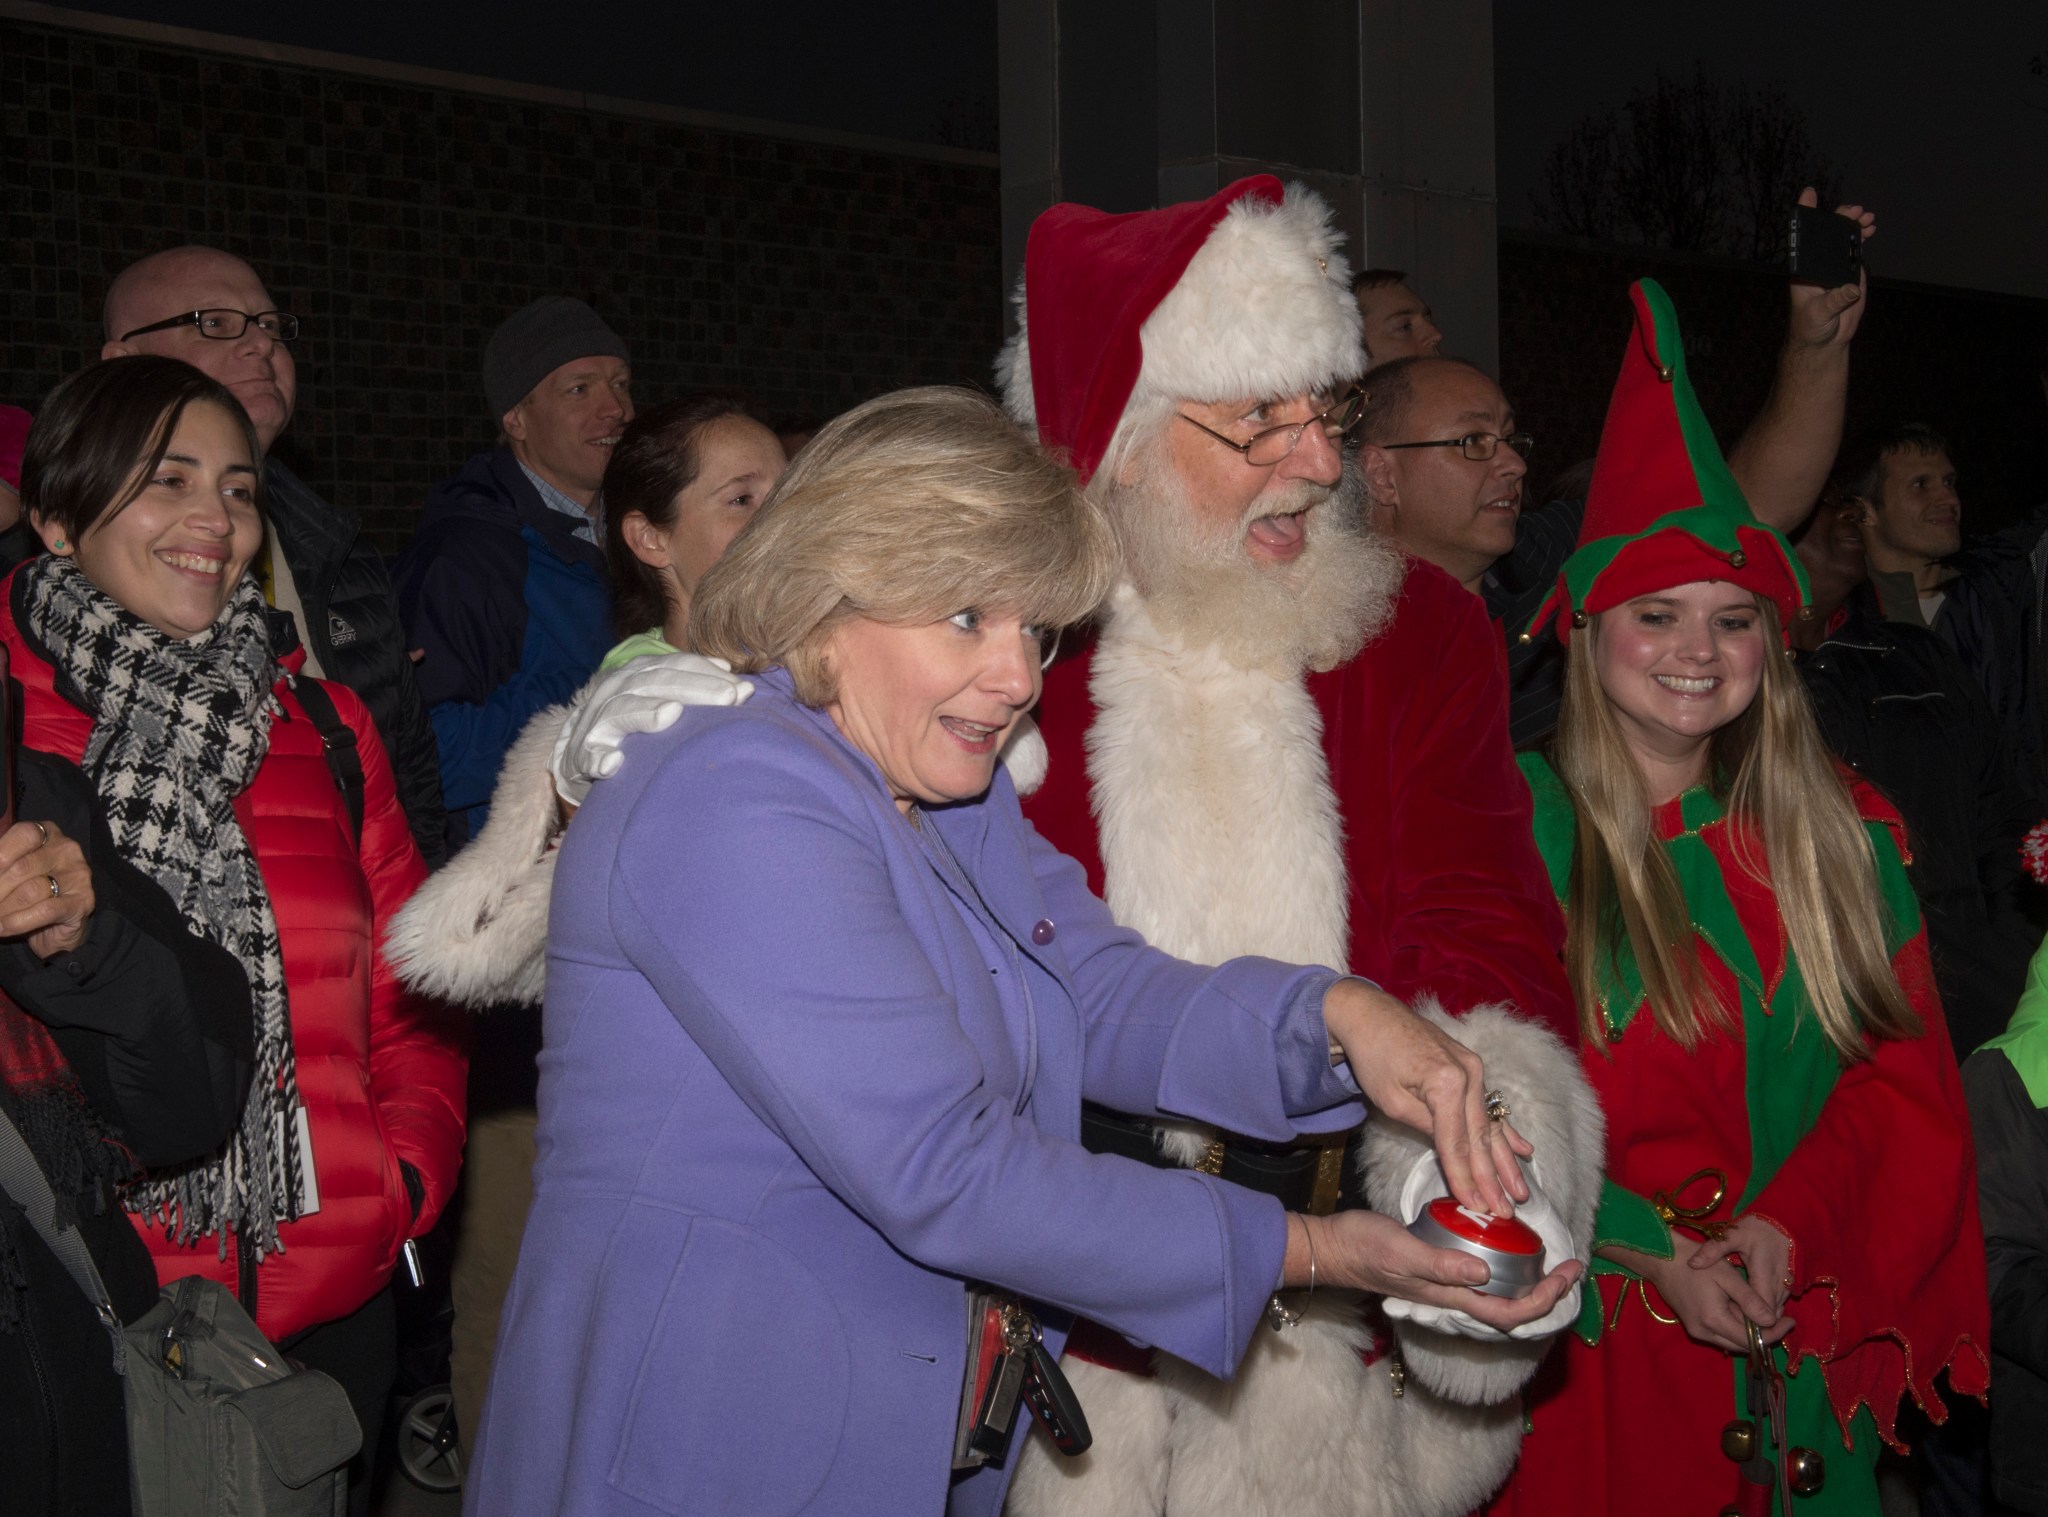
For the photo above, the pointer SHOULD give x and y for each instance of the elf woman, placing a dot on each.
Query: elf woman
(1788, 1238)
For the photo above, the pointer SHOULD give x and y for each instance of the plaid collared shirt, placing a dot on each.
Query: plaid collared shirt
(589, 524)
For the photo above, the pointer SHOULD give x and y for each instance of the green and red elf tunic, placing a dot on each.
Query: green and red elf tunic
(1866, 1168)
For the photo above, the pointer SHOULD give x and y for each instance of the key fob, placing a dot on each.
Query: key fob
(1050, 1395)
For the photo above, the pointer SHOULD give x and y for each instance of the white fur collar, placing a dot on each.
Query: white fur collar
(1219, 832)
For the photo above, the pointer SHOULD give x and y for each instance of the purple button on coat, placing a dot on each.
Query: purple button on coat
(1043, 932)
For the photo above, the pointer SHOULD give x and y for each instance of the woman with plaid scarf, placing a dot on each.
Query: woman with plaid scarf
(146, 653)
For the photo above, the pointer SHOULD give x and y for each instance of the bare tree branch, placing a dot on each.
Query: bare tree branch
(1693, 165)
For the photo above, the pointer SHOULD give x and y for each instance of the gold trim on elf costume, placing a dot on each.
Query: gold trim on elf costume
(1663, 508)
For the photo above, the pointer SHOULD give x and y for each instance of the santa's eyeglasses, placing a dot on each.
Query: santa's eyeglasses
(1267, 448)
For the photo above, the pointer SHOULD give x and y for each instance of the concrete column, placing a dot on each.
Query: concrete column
(1079, 84)
(1426, 140)
(1384, 106)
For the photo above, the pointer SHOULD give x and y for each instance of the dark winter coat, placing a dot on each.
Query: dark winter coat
(513, 611)
(355, 633)
(2011, 1134)
(1897, 705)
(155, 1023)
(1996, 618)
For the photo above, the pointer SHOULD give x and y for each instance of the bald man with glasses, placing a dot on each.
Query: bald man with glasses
(211, 310)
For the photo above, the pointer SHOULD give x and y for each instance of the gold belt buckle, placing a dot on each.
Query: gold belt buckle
(1329, 1172)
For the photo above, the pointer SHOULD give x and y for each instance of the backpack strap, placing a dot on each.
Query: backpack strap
(338, 742)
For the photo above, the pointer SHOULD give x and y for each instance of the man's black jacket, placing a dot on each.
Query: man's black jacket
(356, 635)
(1896, 704)
(2011, 1135)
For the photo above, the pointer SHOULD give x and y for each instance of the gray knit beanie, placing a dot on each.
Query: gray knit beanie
(538, 339)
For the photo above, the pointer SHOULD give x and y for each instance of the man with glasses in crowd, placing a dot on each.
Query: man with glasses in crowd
(1445, 465)
(209, 309)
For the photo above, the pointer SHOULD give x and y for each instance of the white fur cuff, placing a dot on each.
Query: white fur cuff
(1556, 1110)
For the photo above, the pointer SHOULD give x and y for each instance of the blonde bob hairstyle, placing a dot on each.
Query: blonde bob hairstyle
(1780, 785)
(910, 508)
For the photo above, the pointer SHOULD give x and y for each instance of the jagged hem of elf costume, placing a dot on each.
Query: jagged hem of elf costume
(1874, 1190)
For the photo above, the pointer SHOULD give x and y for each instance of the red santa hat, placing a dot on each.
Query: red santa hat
(1238, 296)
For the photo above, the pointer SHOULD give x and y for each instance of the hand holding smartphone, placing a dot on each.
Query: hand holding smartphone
(1824, 248)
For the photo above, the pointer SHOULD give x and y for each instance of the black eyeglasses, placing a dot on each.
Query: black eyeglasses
(226, 325)
(1477, 446)
(1275, 443)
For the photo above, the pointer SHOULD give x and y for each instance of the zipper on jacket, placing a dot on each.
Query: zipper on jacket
(45, 1397)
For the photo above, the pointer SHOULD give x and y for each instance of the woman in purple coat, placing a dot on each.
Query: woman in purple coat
(821, 1011)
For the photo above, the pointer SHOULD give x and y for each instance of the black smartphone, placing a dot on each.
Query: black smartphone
(1825, 249)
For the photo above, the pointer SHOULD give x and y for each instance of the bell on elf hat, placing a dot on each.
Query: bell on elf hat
(1243, 295)
(1663, 509)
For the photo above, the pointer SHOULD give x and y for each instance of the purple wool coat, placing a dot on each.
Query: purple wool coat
(806, 1073)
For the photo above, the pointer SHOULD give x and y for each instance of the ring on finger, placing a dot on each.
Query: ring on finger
(42, 833)
(1497, 1108)
(55, 888)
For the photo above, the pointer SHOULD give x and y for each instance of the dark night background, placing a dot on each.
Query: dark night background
(403, 217)
(918, 70)
(1931, 112)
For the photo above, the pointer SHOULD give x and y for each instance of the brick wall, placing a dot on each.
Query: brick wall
(402, 221)
(1969, 363)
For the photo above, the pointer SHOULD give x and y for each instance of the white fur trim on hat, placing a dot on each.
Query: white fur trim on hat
(1264, 310)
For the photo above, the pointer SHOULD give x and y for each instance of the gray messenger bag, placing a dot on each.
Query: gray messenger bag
(219, 1425)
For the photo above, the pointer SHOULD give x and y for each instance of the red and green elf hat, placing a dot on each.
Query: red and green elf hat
(1663, 509)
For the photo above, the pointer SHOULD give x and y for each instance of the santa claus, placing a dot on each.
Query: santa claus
(1286, 738)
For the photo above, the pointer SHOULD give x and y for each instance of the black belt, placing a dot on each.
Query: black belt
(1287, 1171)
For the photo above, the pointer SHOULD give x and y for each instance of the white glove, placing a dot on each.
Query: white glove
(1424, 1184)
(646, 695)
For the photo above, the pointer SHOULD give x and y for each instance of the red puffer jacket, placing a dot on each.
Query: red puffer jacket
(382, 1072)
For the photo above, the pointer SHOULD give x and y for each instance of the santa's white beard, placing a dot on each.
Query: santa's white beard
(1312, 612)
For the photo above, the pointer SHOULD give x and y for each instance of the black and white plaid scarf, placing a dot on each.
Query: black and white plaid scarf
(179, 729)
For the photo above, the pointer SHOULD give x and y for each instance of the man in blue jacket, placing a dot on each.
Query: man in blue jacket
(503, 587)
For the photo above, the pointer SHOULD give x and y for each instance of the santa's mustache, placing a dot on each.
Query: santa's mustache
(1343, 505)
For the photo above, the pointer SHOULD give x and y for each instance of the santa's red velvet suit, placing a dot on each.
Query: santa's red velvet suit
(1370, 817)
(1436, 887)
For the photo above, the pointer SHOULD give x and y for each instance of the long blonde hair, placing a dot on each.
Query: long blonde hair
(1779, 784)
